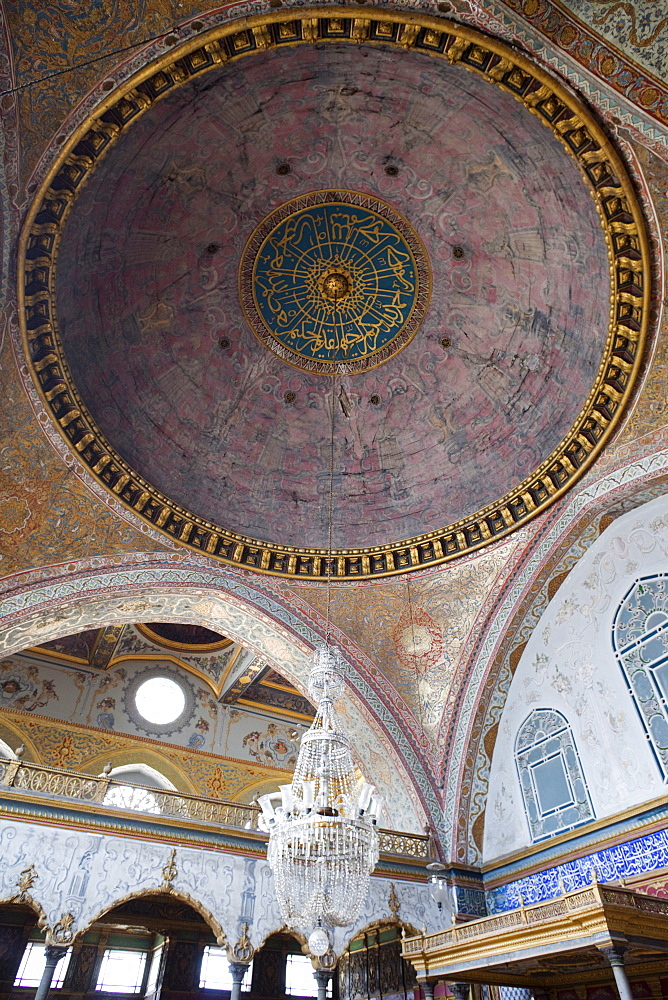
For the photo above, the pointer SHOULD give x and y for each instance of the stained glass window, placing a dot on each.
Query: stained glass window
(640, 640)
(554, 790)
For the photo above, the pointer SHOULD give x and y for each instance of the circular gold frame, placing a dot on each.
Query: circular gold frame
(312, 199)
(575, 127)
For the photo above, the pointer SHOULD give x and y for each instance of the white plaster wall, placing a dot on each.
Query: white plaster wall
(85, 874)
(569, 665)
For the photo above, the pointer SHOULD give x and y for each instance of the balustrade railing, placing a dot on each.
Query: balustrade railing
(112, 793)
(535, 914)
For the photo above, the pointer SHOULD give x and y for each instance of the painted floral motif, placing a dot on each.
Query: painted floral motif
(14, 514)
(273, 746)
(24, 689)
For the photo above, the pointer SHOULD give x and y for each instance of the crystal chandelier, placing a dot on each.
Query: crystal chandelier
(323, 842)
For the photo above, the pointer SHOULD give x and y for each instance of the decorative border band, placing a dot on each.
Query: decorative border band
(572, 124)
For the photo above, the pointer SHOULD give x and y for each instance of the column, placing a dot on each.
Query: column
(427, 988)
(461, 990)
(53, 954)
(322, 977)
(238, 970)
(615, 956)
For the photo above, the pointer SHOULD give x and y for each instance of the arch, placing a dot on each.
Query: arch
(148, 586)
(23, 900)
(134, 790)
(152, 762)
(171, 893)
(554, 791)
(10, 731)
(557, 546)
(138, 773)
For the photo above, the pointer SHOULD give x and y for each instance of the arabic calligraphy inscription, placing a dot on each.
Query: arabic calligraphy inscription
(334, 282)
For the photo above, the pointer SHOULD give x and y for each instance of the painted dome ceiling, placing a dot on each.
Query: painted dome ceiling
(459, 383)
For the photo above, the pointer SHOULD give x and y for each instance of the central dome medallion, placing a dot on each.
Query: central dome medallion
(334, 282)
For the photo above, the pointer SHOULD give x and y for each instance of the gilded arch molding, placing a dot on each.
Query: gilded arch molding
(577, 130)
(555, 549)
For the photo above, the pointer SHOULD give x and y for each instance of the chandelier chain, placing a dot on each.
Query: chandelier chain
(323, 841)
(330, 512)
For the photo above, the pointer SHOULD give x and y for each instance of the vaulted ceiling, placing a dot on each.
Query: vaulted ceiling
(145, 309)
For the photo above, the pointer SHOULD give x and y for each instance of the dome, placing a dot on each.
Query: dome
(227, 335)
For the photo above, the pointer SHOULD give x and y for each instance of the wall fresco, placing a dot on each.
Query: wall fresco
(276, 744)
(47, 466)
(173, 592)
(106, 701)
(58, 35)
(86, 874)
(416, 633)
(84, 748)
(569, 665)
(51, 516)
(551, 551)
(80, 646)
(55, 37)
(213, 665)
(639, 29)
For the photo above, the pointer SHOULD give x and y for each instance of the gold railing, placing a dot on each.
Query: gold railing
(110, 793)
(535, 914)
(107, 791)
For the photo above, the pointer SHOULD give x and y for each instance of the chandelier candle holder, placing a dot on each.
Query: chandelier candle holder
(323, 842)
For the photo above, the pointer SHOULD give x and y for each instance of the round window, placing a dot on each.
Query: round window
(160, 700)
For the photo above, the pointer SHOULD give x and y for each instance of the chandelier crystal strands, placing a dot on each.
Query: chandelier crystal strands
(323, 842)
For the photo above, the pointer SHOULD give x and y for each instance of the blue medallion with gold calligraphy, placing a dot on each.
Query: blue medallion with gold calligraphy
(334, 282)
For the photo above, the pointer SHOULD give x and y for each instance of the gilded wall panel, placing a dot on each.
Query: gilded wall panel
(47, 515)
(416, 632)
(79, 748)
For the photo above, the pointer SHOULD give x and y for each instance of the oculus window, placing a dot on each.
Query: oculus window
(160, 700)
(640, 641)
(554, 791)
(32, 966)
(215, 971)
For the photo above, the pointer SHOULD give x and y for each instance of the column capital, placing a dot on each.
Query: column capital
(614, 954)
(322, 977)
(238, 970)
(54, 952)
